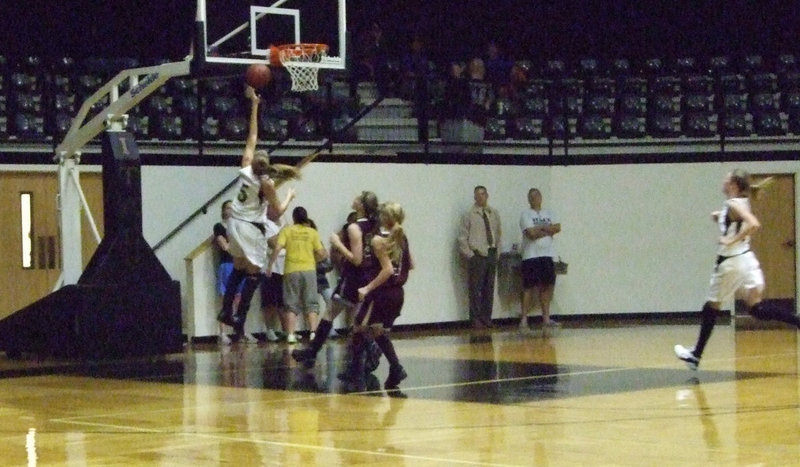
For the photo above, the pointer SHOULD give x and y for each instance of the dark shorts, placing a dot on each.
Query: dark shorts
(537, 272)
(347, 289)
(272, 290)
(385, 304)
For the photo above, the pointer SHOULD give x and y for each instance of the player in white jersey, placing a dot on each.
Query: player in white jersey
(737, 269)
(246, 225)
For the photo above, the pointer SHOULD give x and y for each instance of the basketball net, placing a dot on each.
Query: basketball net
(302, 63)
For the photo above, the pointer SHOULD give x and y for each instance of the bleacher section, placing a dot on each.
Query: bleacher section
(716, 97)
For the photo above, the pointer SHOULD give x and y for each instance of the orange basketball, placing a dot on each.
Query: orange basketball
(258, 75)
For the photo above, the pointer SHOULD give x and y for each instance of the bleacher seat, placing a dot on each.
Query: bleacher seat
(495, 129)
(732, 83)
(771, 123)
(719, 65)
(602, 105)
(665, 104)
(273, 128)
(234, 128)
(685, 66)
(595, 127)
(306, 129)
(735, 103)
(698, 84)
(633, 104)
(337, 124)
(630, 126)
(665, 84)
(166, 127)
(700, 124)
(737, 124)
(528, 128)
(664, 125)
(762, 82)
(620, 67)
(535, 106)
(752, 64)
(561, 127)
(698, 103)
(765, 102)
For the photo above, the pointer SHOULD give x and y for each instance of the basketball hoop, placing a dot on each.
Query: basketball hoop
(302, 63)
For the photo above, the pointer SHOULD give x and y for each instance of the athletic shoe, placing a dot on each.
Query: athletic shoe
(552, 324)
(271, 336)
(225, 318)
(687, 355)
(312, 335)
(306, 356)
(396, 375)
(224, 339)
(291, 338)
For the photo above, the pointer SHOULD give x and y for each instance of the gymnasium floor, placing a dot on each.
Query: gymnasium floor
(601, 395)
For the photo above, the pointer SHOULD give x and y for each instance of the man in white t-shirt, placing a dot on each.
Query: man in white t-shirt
(538, 272)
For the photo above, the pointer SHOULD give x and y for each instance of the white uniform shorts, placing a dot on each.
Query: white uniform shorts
(246, 240)
(736, 273)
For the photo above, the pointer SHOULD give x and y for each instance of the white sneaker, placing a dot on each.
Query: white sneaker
(311, 336)
(271, 336)
(688, 357)
(224, 339)
(291, 338)
(552, 324)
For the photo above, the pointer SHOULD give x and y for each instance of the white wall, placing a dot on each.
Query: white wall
(638, 238)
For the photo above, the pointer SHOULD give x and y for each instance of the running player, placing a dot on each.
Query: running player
(737, 269)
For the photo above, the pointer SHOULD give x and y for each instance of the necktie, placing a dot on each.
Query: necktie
(489, 238)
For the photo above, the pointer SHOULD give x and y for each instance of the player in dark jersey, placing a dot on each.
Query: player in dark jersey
(382, 297)
(351, 249)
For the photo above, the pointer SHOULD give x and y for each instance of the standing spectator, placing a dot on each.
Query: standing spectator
(480, 92)
(372, 62)
(498, 68)
(539, 226)
(478, 238)
(220, 241)
(272, 286)
(303, 250)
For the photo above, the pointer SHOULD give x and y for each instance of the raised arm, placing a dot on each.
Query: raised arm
(252, 135)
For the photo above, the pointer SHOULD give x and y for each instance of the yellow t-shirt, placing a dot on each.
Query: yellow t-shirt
(300, 242)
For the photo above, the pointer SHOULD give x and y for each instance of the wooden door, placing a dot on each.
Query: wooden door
(23, 283)
(775, 243)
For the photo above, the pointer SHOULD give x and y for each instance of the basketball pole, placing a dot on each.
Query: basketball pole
(141, 82)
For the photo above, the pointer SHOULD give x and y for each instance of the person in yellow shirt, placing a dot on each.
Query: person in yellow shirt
(303, 249)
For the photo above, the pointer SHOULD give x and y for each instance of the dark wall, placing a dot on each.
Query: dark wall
(555, 28)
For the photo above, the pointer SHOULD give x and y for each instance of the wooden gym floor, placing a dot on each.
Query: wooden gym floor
(603, 395)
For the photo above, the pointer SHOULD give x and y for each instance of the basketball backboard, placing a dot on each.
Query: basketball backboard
(241, 33)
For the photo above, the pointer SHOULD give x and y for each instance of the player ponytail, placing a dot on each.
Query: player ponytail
(392, 217)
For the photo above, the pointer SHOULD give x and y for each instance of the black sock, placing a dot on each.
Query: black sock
(251, 283)
(388, 349)
(709, 319)
(765, 312)
(231, 289)
(323, 329)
